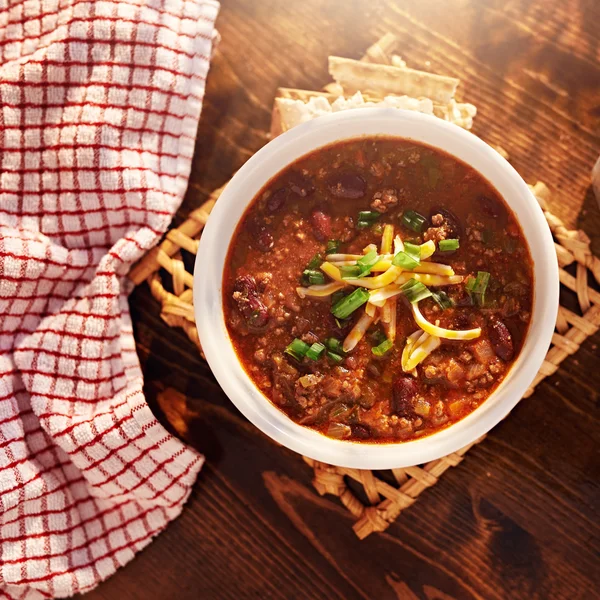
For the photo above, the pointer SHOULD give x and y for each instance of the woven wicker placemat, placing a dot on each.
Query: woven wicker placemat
(385, 497)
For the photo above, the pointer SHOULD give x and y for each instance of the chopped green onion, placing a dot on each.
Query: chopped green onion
(315, 262)
(382, 348)
(443, 300)
(366, 263)
(336, 358)
(366, 218)
(409, 258)
(297, 349)
(476, 287)
(377, 337)
(337, 296)
(479, 284)
(334, 345)
(413, 248)
(332, 246)
(350, 271)
(369, 259)
(346, 306)
(448, 245)
(362, 267)
(415, 291)
(404, 260)
(377, 229)
(315, 351)
(313, 277)
(368, 215)
(413, 220)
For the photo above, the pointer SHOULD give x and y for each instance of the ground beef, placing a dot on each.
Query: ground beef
(377, 169)
(309, 337)
(317, 394)
(474, 229)
(301, 327)
(485, 380)
(332, 387)
(343, 229)
(263, 280)
(284, 378)
(260, 356)
(441, 229)
(384, 199)
(307, 390)
(465, 356)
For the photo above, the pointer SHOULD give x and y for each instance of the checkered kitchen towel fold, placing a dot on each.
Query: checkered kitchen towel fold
(99, 104)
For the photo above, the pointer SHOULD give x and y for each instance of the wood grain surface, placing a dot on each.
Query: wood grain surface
(518, 518)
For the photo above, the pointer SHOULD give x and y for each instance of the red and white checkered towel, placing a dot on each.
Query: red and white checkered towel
(99, 104)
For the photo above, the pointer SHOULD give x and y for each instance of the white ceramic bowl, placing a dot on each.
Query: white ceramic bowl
(250, 179)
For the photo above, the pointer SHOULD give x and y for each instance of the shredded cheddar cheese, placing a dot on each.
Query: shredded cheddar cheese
(448, 334)
(378, 281)
(332, 271)
(398, 244)
(320, 291)
(418, 349)
(434, 269)
(427, 249)
(378, 297)
(357, 332)
(390, 327)
(426, 279)
(387, 239)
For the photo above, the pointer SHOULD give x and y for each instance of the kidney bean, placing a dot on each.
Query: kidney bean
(347, 185)
(256, 313)
(300, 185)
(321, 225)
(360, 432)
(501, 339)
(461, 298)
(404, 389)
(491, 207)
(462, 320)
(246, 285)
(511, 307)
(264, 240)
(302, 326)
(340, 329)
(277, 199)
(250, 306)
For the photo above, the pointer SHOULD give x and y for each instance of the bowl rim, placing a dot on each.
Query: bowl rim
(232, 204)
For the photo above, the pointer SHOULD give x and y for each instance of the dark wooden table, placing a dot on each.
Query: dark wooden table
(518, 518)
